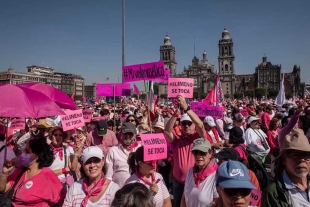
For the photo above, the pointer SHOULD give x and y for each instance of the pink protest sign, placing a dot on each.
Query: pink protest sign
(108, 89)
(180, 86)
(244, 112)
(165, 78)
(255, 197)
(202, 110)
(18, 124)
(155, 146)
(146, 71)
(87, 115)
(72, 120)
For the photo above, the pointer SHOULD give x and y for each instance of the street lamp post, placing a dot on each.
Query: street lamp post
(123, 34)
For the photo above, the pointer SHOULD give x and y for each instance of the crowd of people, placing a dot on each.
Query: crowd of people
(211, 161)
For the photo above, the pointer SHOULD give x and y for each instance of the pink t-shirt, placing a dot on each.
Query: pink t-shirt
(241, 152)
(104, 142)
(41, 190)
(182, 155)
(266, 120)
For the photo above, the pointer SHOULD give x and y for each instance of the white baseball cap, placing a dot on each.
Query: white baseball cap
(252, 118)
(210, 121)
(92, 151)
(185, 117)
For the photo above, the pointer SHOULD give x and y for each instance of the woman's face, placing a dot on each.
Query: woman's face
(202, 159)
(93, 167)
(158, 130)
(254, 124)
(128, 138)
(147, 167)
(232, 197)
(29, 152)
(132, 120)
(57, 138)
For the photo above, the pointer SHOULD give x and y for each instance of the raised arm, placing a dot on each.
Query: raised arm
(169, 126)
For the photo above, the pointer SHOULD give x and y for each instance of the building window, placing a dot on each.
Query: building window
(226, 84)
(226, 67)
(222, 62)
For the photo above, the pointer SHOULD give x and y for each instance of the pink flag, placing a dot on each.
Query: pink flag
(210, 98)
(136, 89)
(219, 90)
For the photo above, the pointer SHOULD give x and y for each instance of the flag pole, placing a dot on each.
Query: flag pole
(114, 109)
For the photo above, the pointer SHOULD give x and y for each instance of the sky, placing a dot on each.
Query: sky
(85, 36)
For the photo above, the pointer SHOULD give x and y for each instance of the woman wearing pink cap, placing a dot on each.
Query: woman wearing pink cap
(94, 189)
(145, 173)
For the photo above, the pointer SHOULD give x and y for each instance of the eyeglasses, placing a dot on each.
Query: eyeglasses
(131, 120)
(57, 135)
(299, 155)
(235, 191)
(188, 123)
(199, 153)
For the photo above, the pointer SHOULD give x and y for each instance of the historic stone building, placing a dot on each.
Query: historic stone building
(266, 74)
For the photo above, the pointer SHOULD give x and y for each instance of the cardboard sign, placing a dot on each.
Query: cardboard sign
(87, 115)
(180, 86)
(18, 124)
(202, 110)
(244, 112)
(165, 78)
(155, 146)
(72, 120)
(255, 197)
(146, 71)
(108, 89)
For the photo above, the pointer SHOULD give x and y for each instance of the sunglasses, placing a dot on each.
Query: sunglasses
(131, 120)
(187, 123)
(199, 153)
(237, 191)
(299, 155)
(57, 135)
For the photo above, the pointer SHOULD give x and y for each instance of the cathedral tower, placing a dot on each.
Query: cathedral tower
(167, 54)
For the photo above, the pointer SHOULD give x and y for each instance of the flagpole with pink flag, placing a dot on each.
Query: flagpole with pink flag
(136, 90)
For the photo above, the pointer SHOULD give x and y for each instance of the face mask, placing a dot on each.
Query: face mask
(25, 160)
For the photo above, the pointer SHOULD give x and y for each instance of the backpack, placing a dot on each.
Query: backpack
(257, 167)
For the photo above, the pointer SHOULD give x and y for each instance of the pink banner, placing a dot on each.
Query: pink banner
(202, 110)
(155, 146)
(255, 197)
(146, 71)
(180, 86)
(87, 115)
(164, 79)
(136, 89)
(72, 120)
(18, 123)
(108, 89)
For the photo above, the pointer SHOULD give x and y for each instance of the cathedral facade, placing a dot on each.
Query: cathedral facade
(203, 72)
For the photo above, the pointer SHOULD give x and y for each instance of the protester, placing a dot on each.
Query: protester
(234, 185)
(34, 184)
(266, 117)
(291, 184)
(192, 128)
(133, 195)
(101, 137)
(211, 133)
(237, 141)
(200, 184)
(117, 156)
(145, 173)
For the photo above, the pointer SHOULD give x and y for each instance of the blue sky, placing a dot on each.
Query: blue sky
(84, 36)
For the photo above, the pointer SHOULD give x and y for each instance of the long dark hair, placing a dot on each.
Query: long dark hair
(43, 151)
(134, 158)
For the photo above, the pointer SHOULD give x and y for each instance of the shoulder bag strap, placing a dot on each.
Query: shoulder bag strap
(2, 148)
(10, 193)
(65, 157)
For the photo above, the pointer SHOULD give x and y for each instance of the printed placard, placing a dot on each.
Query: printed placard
(255, 197)
(202, 110)
(113, 89)
(165, 78)
(155, 146)
(146, 71)
(87, 115)
(244, 112)
(72, 120)
(180, 86)
(18, 123)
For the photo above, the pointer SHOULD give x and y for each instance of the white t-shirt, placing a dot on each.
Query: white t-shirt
(162, 193)
(116, 163)
(58, 163)
(76, 194)
(253, 141)
(202, 196)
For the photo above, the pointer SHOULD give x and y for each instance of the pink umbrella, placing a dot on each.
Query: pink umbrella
(19, 101)
(60, 98)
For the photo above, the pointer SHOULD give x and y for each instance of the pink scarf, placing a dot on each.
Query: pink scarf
(60, 154)
(131, 147)
(93, 192)
(200, 176)
(146, 181)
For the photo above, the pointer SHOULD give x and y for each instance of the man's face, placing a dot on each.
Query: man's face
(116, 115)
(237, 123)
(187, 127)
(297, 163)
